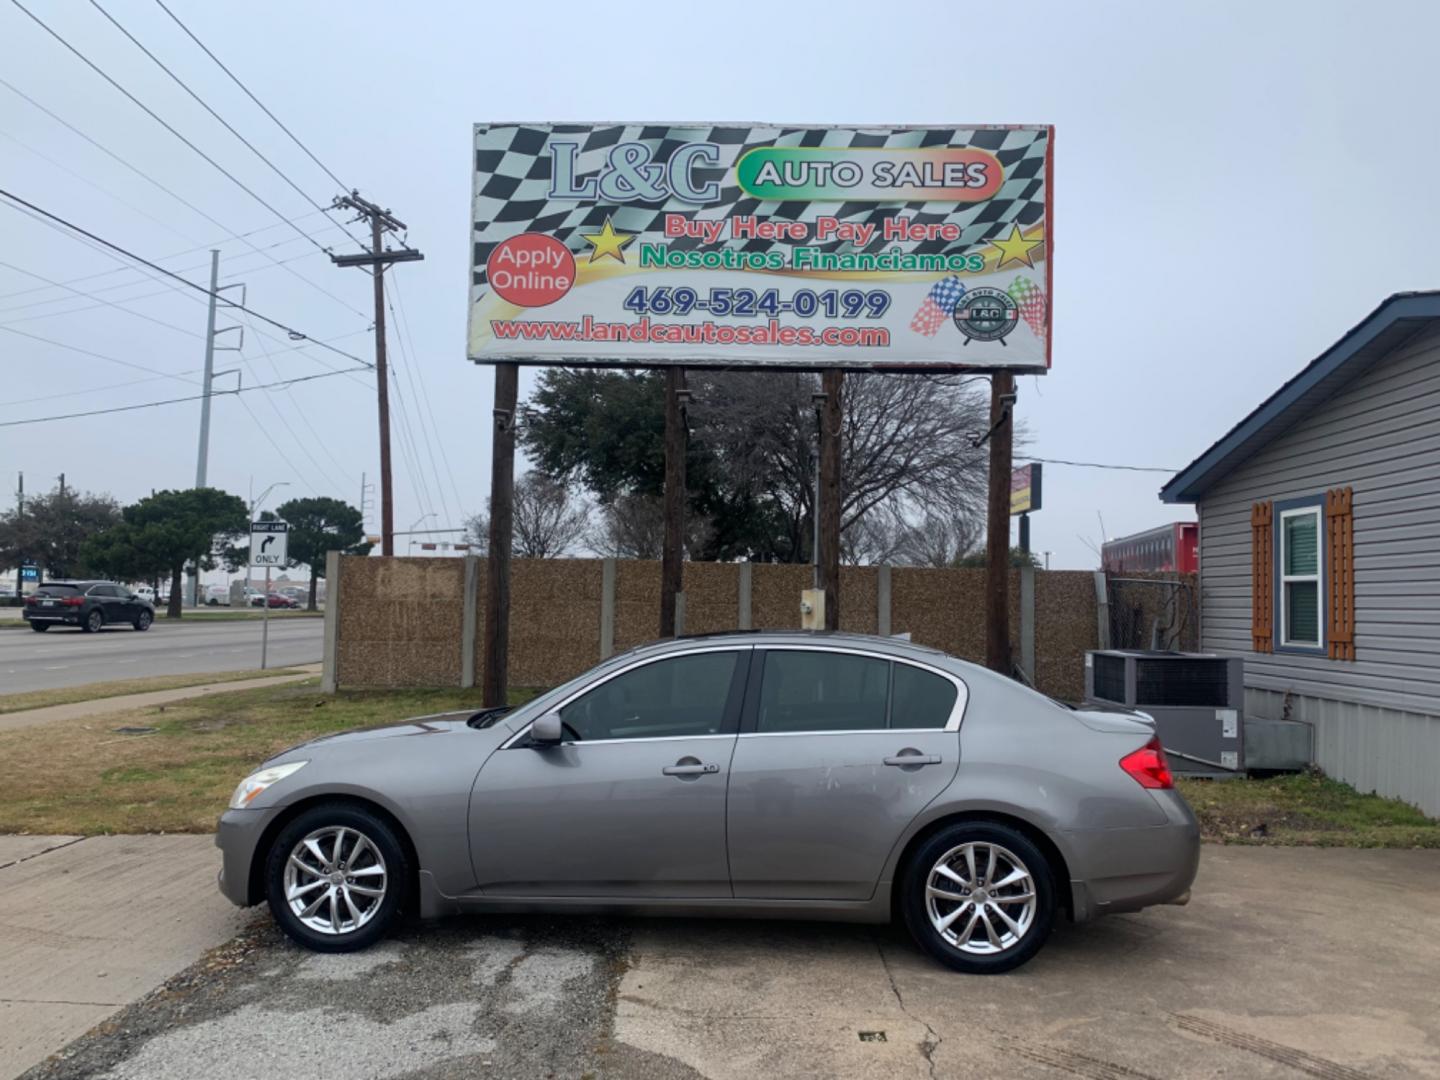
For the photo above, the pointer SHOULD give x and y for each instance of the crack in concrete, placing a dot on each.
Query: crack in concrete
(47, 851)
(49, 1001)
(932, 1039)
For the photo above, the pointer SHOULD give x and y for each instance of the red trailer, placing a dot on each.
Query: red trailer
(1174, 547)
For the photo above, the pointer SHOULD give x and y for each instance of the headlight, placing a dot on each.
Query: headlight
(255, 783)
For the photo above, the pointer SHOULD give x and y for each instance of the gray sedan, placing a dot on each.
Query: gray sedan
(813, 776)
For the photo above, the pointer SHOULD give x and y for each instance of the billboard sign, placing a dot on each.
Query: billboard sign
(1025, 489)
(895, 248)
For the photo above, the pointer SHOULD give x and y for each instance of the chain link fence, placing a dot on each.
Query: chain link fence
(1160, 612)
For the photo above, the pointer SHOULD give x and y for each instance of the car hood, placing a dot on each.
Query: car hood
(1117, 723)
(453, 724)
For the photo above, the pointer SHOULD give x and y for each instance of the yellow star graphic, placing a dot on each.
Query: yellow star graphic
(607, 242)
(1015, 248)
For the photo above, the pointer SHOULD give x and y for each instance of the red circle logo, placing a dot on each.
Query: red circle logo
(531, 270)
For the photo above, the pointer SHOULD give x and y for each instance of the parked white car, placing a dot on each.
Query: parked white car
(145, 592)
(216, 595)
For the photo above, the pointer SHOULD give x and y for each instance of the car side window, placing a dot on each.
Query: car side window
(920, 698)
(104, 591)
(822, 691)
(674, 697)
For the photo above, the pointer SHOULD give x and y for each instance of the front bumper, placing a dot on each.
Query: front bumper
(238, 836)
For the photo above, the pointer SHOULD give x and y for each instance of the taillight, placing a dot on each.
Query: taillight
(32, 599)
(1148, 766)
(72, 601)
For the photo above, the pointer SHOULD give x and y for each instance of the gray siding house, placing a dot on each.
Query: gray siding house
(1320, 551)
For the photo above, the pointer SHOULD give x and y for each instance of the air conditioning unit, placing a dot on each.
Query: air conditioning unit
(1196, 699)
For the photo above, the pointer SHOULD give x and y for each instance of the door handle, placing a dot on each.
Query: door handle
(908, 760)
(696, 769)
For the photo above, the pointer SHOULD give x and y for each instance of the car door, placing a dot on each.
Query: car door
(107, 598)
(632, 804)
(839, 750)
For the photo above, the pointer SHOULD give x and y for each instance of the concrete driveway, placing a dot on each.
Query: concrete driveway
(1288, 963)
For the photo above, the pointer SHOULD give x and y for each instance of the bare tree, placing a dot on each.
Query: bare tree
(940, 541)
(549, 519)
(907, 444)
(633, 527)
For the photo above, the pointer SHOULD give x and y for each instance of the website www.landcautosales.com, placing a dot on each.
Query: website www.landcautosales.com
(704, 333)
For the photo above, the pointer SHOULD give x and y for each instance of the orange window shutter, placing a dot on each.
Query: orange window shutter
(1262, 576)
(1340, 530)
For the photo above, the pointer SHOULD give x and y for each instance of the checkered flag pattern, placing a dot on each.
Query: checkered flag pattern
(1031, 301)
(512, 185)
(938, 306)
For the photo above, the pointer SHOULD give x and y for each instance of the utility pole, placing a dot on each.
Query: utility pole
(496, 674)
(672, 553)
(202, 453)
(832, 382)
(997, 520)
(19, 516)
(377, 258)
(62, 485)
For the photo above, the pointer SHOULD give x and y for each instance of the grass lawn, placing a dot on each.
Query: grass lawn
(39, 699)
(223, 614)
(82, 777)
(1305, 809)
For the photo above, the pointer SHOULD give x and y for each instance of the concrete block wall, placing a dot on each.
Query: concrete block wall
(407, 621)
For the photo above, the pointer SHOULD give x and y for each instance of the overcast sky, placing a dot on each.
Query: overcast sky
(1236, 184)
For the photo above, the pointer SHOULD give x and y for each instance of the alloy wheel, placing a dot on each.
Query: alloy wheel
(980, 898)
(335, 880)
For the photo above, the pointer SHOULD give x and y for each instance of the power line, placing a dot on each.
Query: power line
(1099, 465)
(95, 389)
(231, 234)
(172, 401)
(236, 80)
(166, 124)
(98, 356)
(294, 334)
(425, 390)
(406, 357)
(206, 106)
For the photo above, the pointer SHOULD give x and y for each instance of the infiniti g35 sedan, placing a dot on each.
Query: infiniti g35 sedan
(824, 776)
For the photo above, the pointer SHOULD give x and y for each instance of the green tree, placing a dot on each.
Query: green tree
(159, 534)
(1018, 558)
(318, 526)
(52, 529)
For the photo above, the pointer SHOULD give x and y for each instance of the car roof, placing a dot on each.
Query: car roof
(838, 638)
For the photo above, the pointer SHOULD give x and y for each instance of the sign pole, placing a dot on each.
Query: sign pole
(997, 539)
(828, 561)
(265, 621)
(494, 685)
(672, 567)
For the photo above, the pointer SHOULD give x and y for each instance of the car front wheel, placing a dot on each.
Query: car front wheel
(93, 622)
(143, 620)
(335, 877)
(979, 897)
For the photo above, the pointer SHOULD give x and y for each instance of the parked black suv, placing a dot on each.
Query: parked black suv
(86, 604)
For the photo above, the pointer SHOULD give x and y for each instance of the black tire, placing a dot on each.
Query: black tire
(354, 819)
(1015, 850)
(93, 622)
(143, 621)
(39, 627)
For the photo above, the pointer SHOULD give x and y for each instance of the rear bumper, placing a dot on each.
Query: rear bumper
(1122, 870)
(45, 615)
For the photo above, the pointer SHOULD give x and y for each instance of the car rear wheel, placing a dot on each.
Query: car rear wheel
(335, 877)
(143, 620)
(979, 897)
(39, 627)
(93, 622)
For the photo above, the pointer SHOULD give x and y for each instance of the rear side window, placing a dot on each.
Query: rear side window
(920, 699)
(836, 691)
(822, 691)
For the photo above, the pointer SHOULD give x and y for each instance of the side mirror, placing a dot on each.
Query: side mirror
(547, 730)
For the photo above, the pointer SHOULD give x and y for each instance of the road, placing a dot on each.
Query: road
(71, 657)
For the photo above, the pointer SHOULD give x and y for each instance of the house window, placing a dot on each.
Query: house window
(1300, 605)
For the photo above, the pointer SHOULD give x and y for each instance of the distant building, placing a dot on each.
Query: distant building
(1173, 547)
(1320, 551)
